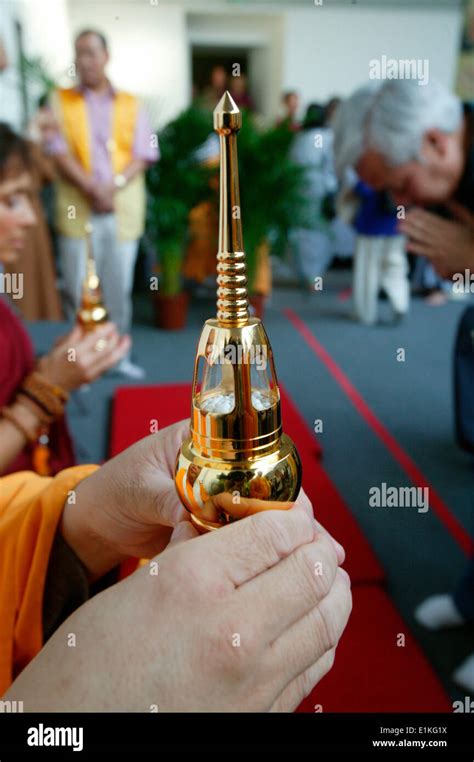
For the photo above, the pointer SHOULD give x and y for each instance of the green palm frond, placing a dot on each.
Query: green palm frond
(271, 185)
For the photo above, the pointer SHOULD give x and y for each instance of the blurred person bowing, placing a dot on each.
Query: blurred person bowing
(419, 146)
(418, 143)
(102, 149)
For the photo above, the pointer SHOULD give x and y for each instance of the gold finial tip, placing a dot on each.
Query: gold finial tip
(88, 227)
(227, 114)
(226, 105)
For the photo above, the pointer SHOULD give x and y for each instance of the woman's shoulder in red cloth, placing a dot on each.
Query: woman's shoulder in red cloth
(17, 359)
(16, 353)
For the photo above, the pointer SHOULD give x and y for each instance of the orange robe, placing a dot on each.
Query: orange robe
(30, 511)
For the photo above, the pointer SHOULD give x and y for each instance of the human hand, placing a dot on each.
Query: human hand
(80, 357)
(246, 618)
(130, 505)
(449, 244)
(102, 197)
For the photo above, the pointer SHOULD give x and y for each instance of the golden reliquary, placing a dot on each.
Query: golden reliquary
(237, 457)
(92, 311)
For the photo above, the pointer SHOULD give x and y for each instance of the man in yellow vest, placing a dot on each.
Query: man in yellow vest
(103, 145)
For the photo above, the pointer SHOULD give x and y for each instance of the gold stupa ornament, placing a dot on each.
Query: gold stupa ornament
(92, 311)
(237, 457)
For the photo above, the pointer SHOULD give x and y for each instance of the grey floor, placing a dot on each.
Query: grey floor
(413, 399)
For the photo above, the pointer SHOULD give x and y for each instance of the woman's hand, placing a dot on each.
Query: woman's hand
(235, 620)
(130, 505)
(80, 358)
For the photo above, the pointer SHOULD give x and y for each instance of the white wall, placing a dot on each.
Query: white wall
(10, 101)
(322, 50)
(318, 50)
(327, 50)
(45, 34)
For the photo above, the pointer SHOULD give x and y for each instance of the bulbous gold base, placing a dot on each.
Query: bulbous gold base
(91, 316)
(218, 492)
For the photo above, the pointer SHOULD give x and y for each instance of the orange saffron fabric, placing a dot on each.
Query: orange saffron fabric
(76, 127)
(30, 511)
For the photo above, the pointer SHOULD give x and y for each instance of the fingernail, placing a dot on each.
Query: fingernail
(339, 547)
(340, 552)
(344, 574)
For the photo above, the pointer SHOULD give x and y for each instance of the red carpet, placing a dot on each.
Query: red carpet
(371, 673)
(416, 476)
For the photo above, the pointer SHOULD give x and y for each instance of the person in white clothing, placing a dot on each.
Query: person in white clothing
(312, 149)
(380, 258)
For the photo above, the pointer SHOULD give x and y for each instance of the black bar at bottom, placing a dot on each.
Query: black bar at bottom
(57, 736)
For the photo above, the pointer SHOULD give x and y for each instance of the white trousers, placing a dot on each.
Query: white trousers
(115, 262)
(380, 261)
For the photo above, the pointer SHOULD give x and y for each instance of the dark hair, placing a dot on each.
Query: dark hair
(98, 34)
(331, 107)
(12, 145)
(315, 116)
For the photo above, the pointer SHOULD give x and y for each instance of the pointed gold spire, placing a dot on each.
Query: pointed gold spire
(232, 302)
(236, 447)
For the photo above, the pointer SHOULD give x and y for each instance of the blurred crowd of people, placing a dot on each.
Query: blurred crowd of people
(90, 147)
(351, 218)
(389, 172)
(346, 216)
(68, 534)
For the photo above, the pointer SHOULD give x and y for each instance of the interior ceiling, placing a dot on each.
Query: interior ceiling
(209, 5)
(325, 3)
(200, 5)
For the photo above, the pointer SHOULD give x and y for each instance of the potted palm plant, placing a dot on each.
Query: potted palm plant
(180, 188)
(175, 185)
(272, 199)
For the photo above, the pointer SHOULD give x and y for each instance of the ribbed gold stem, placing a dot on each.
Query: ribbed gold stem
(232, 302)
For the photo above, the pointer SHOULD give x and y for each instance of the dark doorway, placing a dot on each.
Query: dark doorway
(204, 58)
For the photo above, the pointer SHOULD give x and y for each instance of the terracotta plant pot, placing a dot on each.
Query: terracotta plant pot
(171, 311)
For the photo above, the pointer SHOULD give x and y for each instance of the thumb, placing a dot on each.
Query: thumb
(171, 511)
(183, 531)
